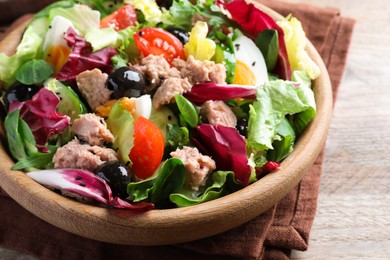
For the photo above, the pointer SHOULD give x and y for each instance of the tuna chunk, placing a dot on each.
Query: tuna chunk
(218, 113)
(201, 71)
(92, 129)
(82, 156)
(155, 69)
(198, 166)
(92, 86)
(165, 94)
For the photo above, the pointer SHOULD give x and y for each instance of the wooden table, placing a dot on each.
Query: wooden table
(353, 220)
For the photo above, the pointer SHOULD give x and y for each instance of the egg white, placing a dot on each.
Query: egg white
(56, 32)
(248, 53)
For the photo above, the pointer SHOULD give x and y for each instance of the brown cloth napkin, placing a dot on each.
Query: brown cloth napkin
(272, 235)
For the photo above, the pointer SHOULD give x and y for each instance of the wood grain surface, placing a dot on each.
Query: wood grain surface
(353, 220)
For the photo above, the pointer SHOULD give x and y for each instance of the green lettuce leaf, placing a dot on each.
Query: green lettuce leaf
(301, 120)
(28, 49)
(275, 100)
(123, 39)
(284, 144)
(121, 124)
(222, 183)
(151, 12)
(82, 17)
(181, 13)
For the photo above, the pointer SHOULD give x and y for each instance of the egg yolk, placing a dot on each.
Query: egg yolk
(128, 103)
(57, 56)
(243, 74)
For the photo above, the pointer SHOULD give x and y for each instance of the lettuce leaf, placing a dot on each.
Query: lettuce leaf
(121, 124)
(301, 120)
(222, 183)
(284, 142)
(181, 13)
(81, 16)
(275, 100)
(28, 49)
(151, 11)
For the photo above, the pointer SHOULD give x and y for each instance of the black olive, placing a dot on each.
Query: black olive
(126, 82)
(181, 34)
(164, 3)
(117, 175)
(242, 126)
(19, 92)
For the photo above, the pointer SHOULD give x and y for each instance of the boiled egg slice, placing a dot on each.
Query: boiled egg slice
(55, 46)
(250, 64)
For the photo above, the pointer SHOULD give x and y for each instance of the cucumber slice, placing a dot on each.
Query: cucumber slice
(70, 104)
(161, 118)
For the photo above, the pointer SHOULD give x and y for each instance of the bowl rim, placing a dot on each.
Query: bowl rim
(161, 227)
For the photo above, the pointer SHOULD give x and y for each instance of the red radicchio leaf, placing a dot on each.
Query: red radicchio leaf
(82, 58)
(83, 184)
(41, 116)
(210, 91)
(266, 168)
(253, 21)
(226, 146)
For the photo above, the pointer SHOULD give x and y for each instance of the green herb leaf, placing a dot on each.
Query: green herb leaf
(170, 180)
(21, 144)
(140, 191)
(177, 136)
(15, 140)
(187, 111)
(36, 160)
(268, 43)
(34, 71)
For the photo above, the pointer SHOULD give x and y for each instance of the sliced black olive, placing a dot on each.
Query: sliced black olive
(164, 3)
(117, 175)
(19, 92)
(181, 34)
(242, 126)
(126, 82)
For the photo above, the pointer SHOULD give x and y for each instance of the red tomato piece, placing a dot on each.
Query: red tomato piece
(125, 16)
(148, 148)
(159, 42)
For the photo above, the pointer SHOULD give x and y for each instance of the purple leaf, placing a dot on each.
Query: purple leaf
(203, 92)
(84, 184)
(227, 148)
(41, 116)
(82, 58)
(253, 21)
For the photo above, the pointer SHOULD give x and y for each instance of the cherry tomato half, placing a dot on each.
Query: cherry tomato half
(125, 16)
(159, 42)
(148, 148)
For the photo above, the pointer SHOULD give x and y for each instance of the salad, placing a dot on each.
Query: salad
(143, 104)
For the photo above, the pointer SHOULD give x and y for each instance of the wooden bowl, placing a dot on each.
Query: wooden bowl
(159, 227)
